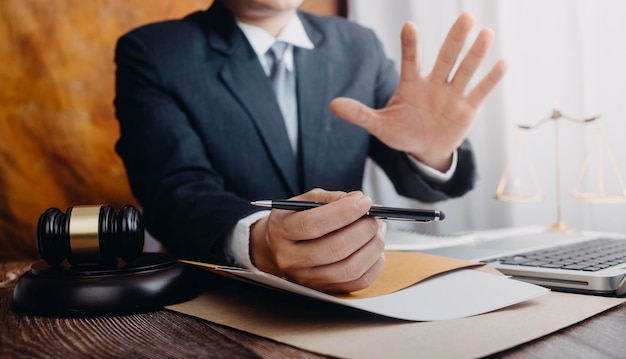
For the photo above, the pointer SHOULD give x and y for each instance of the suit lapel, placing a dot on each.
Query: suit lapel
(313, 71)
(244, 77)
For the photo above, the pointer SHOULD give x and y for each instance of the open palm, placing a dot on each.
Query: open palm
(428, 117)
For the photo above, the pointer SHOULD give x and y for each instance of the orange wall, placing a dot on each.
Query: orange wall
(57, 124)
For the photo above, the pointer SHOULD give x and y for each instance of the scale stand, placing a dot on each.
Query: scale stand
(600, 195)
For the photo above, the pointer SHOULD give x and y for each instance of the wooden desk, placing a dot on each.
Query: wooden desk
(168, 334)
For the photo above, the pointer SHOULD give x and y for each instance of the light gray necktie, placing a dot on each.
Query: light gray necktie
(284, 84)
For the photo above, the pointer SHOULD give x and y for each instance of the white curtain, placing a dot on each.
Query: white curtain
(563, 54)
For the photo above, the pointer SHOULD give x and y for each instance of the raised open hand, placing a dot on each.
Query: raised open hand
(428, 117)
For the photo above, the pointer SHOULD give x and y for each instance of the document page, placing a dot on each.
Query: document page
(414, 286)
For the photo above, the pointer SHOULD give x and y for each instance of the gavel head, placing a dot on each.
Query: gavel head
(90, 235)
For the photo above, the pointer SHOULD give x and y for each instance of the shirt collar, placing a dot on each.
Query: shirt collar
(293, 34)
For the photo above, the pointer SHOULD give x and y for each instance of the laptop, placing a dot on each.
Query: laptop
(580, 262)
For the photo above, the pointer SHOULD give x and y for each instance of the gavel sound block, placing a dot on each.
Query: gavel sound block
(92, 264)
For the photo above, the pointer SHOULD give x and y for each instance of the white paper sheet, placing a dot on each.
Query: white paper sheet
(457, 294)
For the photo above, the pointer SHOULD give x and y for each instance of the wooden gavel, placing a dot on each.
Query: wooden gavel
(90, 235)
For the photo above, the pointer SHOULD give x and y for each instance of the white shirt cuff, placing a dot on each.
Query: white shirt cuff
(237, 244)
(433, 174)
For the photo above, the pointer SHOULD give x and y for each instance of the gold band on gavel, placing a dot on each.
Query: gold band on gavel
(84, 241)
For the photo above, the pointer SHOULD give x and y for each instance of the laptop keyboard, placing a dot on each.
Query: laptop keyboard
(589, 256)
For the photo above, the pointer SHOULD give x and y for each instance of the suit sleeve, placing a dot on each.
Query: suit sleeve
(184, 203)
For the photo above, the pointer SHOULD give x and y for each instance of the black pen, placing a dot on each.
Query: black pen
(400, 214)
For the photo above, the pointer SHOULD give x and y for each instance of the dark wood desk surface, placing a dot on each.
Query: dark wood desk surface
(168, 334)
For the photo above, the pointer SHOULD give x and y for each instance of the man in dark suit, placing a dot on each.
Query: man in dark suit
(203, 133)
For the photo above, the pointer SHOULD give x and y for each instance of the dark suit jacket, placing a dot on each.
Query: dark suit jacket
(202, 133)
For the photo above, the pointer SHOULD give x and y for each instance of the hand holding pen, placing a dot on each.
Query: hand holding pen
(333, 247)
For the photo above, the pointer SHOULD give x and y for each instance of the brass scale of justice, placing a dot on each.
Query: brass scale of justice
(509, 189)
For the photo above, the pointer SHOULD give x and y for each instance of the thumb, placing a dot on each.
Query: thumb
(355, 112)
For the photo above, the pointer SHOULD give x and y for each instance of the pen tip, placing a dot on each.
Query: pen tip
(442, 216)
(266, 203)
